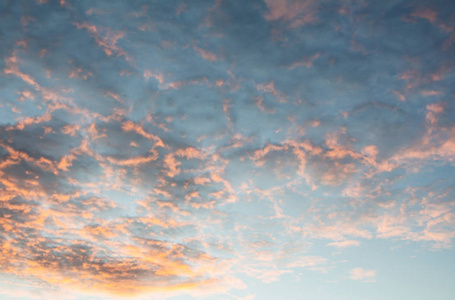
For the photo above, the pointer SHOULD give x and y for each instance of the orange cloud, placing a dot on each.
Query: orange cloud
(11, 67)
(71, 129)
(108, 41)
(133, 161)
(172, 165)
(131, 126)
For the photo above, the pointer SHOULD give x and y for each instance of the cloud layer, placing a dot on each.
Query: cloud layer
(187, 148)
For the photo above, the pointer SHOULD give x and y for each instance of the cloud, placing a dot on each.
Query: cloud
(12, 68)
(148, 74)
(307, 62)
(425, 13)
(206, 54)
(344, 244)
(105, 38)
(362, 275)
(297, 13)
(177, 150)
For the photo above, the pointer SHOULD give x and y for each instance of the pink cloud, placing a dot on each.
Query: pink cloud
(400, 96)
(430, 93)
(344, 244)
(296, 13)
(425, 13)
(158, 76)
(362, 275)
(181, 8)
(306, 62)
(270, 88)
(205, 54)
(190, 152)
(260, 154)
(436, 108)
(79, 73)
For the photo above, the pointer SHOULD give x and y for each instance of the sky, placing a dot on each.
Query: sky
(227, 149)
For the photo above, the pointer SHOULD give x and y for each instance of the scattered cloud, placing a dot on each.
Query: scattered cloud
(221, 148)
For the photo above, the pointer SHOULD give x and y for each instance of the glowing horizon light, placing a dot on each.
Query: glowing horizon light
(220, 149)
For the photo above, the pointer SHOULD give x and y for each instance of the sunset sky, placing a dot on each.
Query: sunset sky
(227, 149)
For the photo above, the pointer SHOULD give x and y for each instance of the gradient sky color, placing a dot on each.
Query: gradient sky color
(228, 149)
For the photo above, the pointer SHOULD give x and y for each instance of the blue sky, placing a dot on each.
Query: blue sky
(277, 149)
